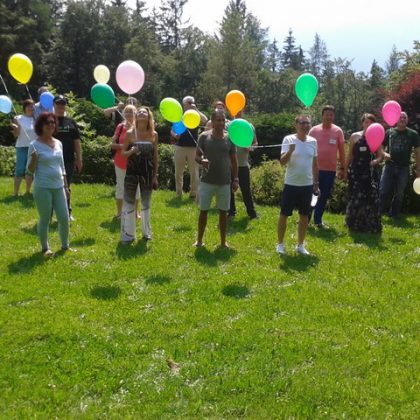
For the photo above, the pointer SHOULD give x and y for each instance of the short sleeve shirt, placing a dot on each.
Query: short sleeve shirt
(27, 131)
(67, 133)
(299, 168)
(400, 144)
(218, 152)
(328, 141)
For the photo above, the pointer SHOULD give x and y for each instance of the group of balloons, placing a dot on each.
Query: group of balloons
(130, 79)
(21, 68)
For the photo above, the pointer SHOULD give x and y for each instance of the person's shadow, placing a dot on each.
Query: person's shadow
(211, 259)
(26, 264)
(113, 226)
(238, 225)
(105, 292)
(236, 291)
(300, 263)
(128, 251)
(371, 240)
(327, 234)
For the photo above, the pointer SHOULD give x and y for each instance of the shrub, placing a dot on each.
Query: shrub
(267, 182)
(166, 167)
(7, 160)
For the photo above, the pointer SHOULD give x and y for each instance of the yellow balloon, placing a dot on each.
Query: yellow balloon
(416, 186)
(20, 67)
(191, 119)
(101, 74)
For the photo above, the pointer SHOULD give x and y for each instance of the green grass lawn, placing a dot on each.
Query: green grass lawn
(246, 333)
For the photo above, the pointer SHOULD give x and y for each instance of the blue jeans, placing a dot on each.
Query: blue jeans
(326, 183)
(394, 179)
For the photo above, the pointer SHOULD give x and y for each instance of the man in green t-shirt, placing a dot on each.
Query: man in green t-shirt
(217, 155)
(399, 143)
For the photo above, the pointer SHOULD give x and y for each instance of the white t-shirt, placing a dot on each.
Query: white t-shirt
(27, 131)
(299, 167)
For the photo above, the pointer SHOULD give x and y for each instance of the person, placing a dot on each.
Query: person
(68, 134)
(45, 161)
(217, 155)
(185, 146)
(330, 140)
(38, 106)
(116, 112)
(141, 149)
(398, 144)
(120, 161)
(23, 130)
(219, 105)
(299, 154)
(362, 212)
(244, 176)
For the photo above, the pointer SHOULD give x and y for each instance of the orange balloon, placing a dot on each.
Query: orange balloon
(235, 102)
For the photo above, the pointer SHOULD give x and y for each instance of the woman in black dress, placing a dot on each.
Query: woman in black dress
(362, 213)
(141, 149)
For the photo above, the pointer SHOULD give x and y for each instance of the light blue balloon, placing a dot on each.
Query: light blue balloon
(46, 99)
(178, 128)
(5, 104)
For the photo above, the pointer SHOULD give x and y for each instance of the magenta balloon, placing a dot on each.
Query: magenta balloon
(391, 112)
(130, 77)
(375, 135)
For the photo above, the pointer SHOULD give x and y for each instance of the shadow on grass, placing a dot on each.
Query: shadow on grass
(183, 228)
(26, 201)
(399, 222)
(206, 257)
(158, 280)
(82, 205)
(371, 240)
(105, 292)
(113, 226)
(397, 241)
(177, 202)
(326, 234)
(297, 262)
(238, 225)
(236, 291)
(26, 264)
(126, 252)
(83, 242)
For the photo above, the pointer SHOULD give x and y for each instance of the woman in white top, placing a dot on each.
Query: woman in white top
(23, 130)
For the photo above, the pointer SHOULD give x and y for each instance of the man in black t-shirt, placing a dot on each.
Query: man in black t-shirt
(399, 143)
(68, 134)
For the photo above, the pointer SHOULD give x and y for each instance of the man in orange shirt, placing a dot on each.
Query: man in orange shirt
(330, 141)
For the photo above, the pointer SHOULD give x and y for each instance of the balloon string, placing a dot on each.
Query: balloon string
(8, 94)
(27, 90)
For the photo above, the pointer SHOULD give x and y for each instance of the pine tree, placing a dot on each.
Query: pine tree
(318, 56)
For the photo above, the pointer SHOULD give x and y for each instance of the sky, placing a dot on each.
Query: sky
(360, 31)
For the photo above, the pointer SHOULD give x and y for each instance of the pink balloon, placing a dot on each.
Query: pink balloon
(130, 77)
(375, 135)
(391, 112)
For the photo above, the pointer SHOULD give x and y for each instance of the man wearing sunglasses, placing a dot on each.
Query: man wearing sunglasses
(68, 134)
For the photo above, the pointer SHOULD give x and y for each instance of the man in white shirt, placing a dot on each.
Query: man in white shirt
(299, 153)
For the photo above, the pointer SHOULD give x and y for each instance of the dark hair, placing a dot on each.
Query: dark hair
(42, 120)
(217, 112)
(298, 117)
(368, 116)
(327, 108)
(26, 103)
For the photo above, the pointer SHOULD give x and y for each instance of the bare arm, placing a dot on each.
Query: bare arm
(127, 141)
(349, 160)
(417, 157)
(15, 128)
(79, 159)
(234, 165)
(156, 155)
(285, 157)
(315, 174)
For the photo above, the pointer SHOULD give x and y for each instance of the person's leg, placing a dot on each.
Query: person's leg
(16, 185)
(232, 207)
(386, 187)
(20, 168)
(59, 204)
(128, 215)
(281, 228)
(402, 175)
(302, 228)
(43, 201)
(179, 158)
(223, 228)
(202, 223)
(69, 166)
(326, 183)
(245, 185)
(28, 180)
(193, 168)
(146, 198)
(304, 197)
(205, 196)
(119, 188)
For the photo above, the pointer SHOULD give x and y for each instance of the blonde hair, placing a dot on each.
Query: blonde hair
(130, 108)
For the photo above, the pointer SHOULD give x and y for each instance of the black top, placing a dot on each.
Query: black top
(186, 139)
(67, 133)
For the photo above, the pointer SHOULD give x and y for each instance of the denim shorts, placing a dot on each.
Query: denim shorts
(296, 197)
(21, 161)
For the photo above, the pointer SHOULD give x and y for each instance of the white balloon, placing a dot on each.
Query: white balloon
(416, 186)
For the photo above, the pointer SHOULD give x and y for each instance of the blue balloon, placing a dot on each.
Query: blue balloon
(5, 104)
(46, 99)
(178, 128)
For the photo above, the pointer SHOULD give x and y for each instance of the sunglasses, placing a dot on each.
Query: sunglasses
(50, 122)
(304, 122)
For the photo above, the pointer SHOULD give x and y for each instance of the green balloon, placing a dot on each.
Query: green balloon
(171, 110)
(102, 95)
(306, 88)
(241, 132)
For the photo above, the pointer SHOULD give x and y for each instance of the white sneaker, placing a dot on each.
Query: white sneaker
(300, 249)
(280, 249)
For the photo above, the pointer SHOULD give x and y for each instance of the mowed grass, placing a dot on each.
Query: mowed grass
(161, 329)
